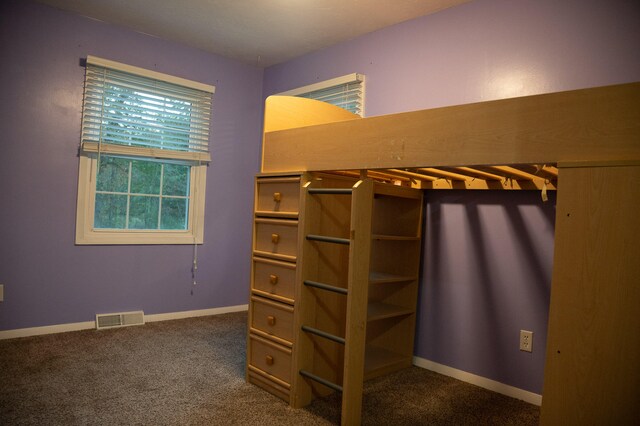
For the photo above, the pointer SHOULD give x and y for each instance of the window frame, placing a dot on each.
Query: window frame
(90, 153)
(87, 234)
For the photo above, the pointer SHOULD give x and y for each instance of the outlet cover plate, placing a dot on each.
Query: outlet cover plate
(526, 340)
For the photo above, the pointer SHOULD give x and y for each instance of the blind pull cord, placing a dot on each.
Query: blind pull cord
(194, 267)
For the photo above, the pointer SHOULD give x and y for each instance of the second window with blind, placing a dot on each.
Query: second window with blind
(346, 92)
(143, 157)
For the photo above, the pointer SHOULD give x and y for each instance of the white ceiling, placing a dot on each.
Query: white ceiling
(257, 32)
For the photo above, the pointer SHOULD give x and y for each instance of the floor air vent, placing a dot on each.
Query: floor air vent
(121, 319)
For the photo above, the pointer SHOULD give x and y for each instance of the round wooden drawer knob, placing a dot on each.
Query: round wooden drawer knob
(269, 360)
(273, 279)
(275, 238)
(271, 320)
(277, 196)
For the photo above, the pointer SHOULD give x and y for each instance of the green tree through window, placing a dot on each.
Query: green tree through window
(141, 194)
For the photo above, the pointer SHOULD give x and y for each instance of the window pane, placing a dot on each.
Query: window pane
(143, 212)
(113, 174)
(111, 211)
(145, 177)
(176, 180)
(174, 213)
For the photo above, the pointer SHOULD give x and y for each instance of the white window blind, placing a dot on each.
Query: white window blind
(346, 92)
(129, 107)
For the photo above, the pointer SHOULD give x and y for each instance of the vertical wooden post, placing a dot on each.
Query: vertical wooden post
(359, 259)
(304, 312)
(592, 372)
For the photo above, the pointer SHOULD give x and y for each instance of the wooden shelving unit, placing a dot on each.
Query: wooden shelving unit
(393, 279)
(357, 289)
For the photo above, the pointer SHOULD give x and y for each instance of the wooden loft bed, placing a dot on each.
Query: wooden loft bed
(584, 143)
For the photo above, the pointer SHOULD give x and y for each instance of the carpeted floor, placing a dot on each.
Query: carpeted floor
(191, 372)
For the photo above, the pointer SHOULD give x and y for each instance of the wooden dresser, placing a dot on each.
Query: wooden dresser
(273, 275)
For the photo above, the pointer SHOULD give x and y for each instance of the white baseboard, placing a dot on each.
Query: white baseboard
(47, 329)
(88, 325)
(483, 382)
(192, 314)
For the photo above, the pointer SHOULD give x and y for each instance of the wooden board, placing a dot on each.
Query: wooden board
(596, 124)
(287, 112)
(592, 373)
(359, 257)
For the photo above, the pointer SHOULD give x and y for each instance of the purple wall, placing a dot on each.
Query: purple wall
(48, 280)
(482, 50)
(486, 276)
(488, 256)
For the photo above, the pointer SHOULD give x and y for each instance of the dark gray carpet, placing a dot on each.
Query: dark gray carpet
(191, 372)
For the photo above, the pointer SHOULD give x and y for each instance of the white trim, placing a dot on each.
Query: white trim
(193, 314)
(145, 152)
(94, 60)
(349, 78)
(90, 325)
(483, 382)
(47, 329)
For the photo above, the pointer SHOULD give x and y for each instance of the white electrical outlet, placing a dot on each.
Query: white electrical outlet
(526, 340)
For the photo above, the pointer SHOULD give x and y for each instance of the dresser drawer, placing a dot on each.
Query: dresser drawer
(280, 195)
(270, 357)
(278, 237)
(272, 318)
(273, 278)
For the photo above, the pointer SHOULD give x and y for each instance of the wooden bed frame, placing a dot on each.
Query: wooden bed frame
(587, 142)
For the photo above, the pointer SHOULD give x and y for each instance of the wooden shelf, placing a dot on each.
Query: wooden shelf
(381, 237)
(383, 277)
(379, 310)
(378, 360)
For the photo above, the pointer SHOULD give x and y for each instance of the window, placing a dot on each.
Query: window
(143, 156)
(346, 92)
